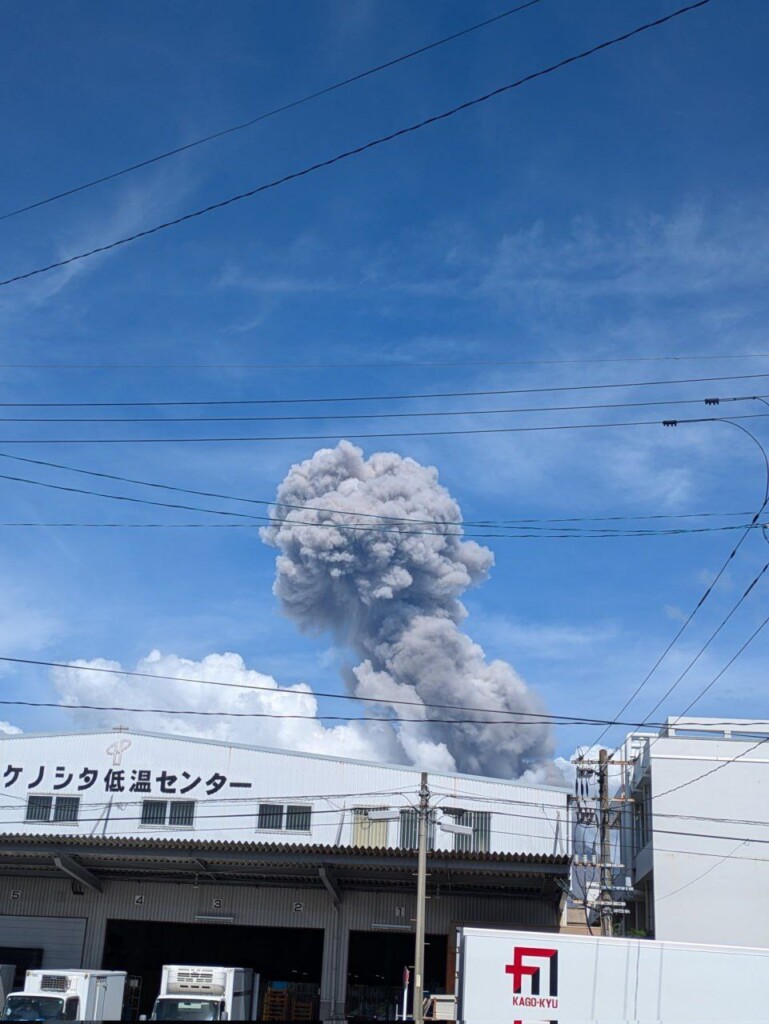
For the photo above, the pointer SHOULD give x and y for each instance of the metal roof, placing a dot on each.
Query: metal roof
(90, 860)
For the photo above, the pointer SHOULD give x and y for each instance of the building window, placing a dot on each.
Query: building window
(176, 813)
(270, 817)
(409, 830)
(49, 808)
(65, 808)
(292, 818)
(368, 833)
(39, 808)
(181, 813)
(298, 817)
(480, 822)
(641, 818)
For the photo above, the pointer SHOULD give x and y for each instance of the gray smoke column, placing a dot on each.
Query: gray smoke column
(392, 596)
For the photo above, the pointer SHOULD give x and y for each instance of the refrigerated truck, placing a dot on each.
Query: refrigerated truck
(526, 977)
(67, 995)
(206, 993)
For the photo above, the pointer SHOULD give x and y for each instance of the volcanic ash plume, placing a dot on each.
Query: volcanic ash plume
(391, 594)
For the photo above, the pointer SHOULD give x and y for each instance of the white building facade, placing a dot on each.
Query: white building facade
(695, 831)
(140, 784)
(129, 850)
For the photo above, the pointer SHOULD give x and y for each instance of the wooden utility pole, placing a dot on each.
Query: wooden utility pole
(419, 953)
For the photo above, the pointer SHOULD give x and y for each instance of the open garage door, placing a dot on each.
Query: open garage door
(288, 960)
(375, 972)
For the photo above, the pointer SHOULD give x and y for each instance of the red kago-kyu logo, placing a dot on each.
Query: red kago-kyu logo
(528, 963)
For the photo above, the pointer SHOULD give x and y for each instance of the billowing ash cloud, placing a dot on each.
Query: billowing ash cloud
(392, 596)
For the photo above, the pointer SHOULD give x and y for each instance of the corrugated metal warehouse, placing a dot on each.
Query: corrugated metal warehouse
(131, 850)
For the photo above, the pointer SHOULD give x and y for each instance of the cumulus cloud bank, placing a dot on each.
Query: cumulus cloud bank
(392, 596)
(248, 693)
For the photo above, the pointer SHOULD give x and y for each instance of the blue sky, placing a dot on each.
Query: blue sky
(616, 209)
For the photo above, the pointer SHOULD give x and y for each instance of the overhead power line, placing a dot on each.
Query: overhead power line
(719, 767)
(221, 133)
(418, 396)
(732, 554)
(524, 718)
(517, 716)
(510, 534)
(358, 150)
(420, 413)
(379, 517)
(312, 717)
(549, 428)
(748, 590)
(390, 364)
(102, 670)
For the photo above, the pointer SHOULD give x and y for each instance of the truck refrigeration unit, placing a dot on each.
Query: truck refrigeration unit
(207, 993)
(528, 977)
(68, 995)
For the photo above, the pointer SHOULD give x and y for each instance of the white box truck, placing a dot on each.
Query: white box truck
(67, 995)
(529, 977)
(207, 993)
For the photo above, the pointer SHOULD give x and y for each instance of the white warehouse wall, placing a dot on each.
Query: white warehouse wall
(228, 781)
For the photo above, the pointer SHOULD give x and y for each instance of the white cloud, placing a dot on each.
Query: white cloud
(7, 729)
(648, 256)
(260, 695)
(26, 626)
(674, 612)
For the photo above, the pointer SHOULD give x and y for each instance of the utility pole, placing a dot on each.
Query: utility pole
(419, 954)
(607, 893)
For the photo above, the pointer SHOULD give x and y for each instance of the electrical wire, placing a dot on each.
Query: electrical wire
(418, 396)
(274, 690)
(273, 503)
(714, 819)
(256, 521)
(358, 150)
(521, 716)
(447, 794)
(279, 716)
(719, 767)
(524, 717)
(704, 596)
(756, 579)
(390, 364)
(590, 535)
(750, 587)
(513, 717)
(218, 815)
(375, 415)
(270, 113)
(686, 885)
(374, 434)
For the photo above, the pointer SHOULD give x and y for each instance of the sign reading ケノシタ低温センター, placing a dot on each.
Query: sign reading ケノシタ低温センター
(82, 778)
